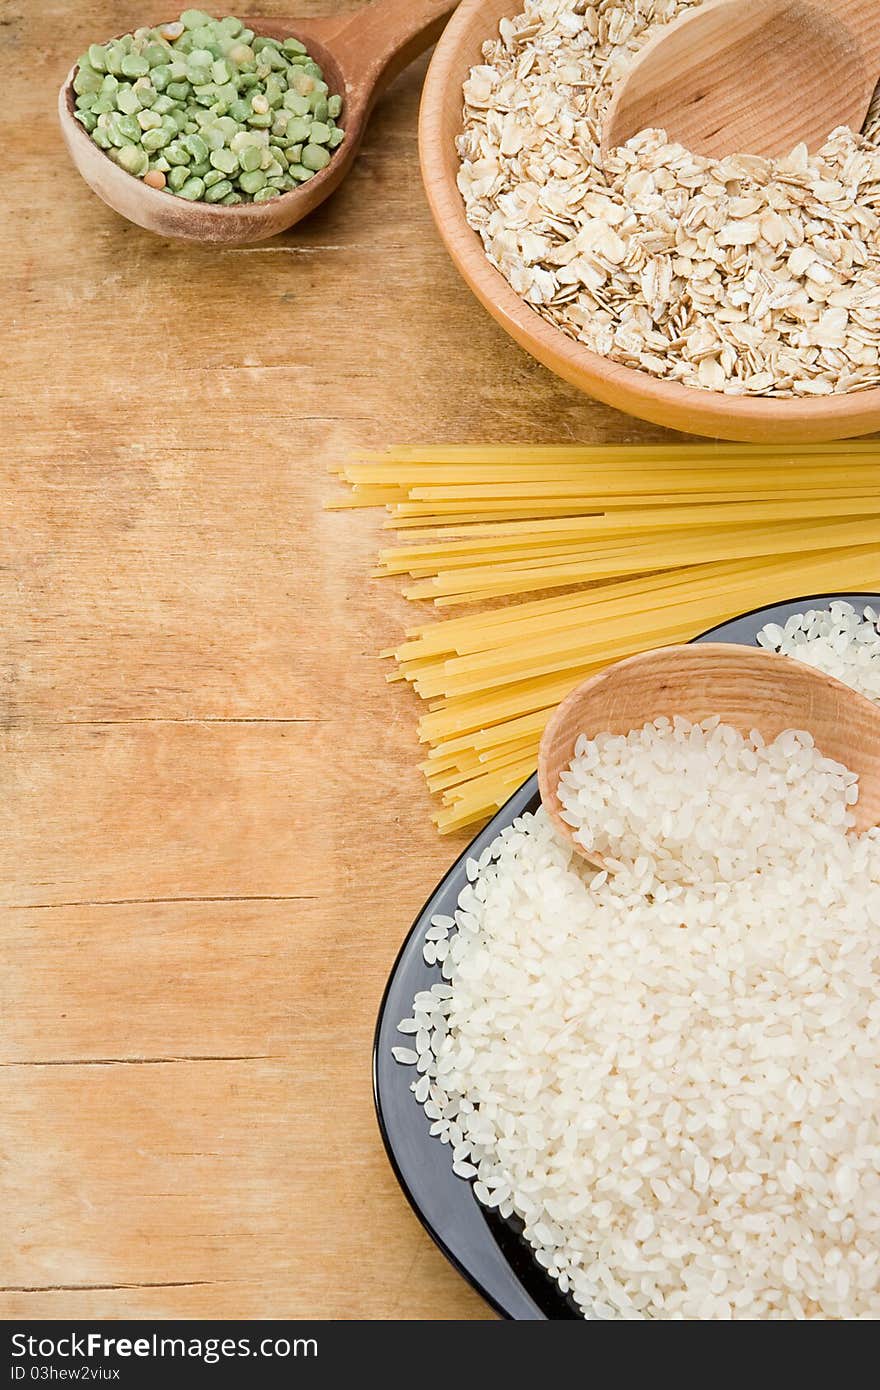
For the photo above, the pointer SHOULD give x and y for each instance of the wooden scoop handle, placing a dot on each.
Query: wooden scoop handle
(374, 44)
(720, 78)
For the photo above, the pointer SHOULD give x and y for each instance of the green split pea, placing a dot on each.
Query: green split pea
(208, 110)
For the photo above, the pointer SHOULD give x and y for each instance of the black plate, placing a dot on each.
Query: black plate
(488, 1250)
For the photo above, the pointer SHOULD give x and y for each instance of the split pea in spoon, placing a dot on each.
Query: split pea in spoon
(360, 55)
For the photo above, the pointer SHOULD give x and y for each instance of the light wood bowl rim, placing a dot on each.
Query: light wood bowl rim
(691, 408)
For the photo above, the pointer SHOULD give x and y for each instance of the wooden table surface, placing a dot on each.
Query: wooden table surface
(213, 835)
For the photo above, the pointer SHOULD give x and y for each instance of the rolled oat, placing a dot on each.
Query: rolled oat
(745, 275)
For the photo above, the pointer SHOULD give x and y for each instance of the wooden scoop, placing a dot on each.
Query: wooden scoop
(748, 689)
(752, 76)
(360, 55)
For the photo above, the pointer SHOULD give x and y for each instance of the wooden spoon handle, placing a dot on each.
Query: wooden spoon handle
(376, 43)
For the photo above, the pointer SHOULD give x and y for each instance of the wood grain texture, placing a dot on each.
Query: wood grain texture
(668, 403)
(213, 835)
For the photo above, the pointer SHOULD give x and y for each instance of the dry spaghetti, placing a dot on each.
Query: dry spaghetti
(596, 553)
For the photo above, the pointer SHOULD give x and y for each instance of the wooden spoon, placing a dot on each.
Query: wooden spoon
(752, 76)
(748, 689)
(360, 55)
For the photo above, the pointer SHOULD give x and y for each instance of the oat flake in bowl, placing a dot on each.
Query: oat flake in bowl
(743, 275)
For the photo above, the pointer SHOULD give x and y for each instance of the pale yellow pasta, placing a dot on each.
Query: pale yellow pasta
(565, 558)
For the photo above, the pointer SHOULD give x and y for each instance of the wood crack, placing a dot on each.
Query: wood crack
(109, 1288)
(140, 1061)
(150, 902)
(14, 721)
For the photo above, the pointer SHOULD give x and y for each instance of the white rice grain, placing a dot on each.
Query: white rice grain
(836, 640)
(672, 1075)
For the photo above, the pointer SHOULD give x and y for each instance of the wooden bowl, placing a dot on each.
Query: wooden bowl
(744, 686)
(166, 215)
(360, 53)
(691, 409)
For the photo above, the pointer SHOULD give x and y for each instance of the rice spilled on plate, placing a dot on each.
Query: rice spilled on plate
(837, 640)
(672, 1074)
